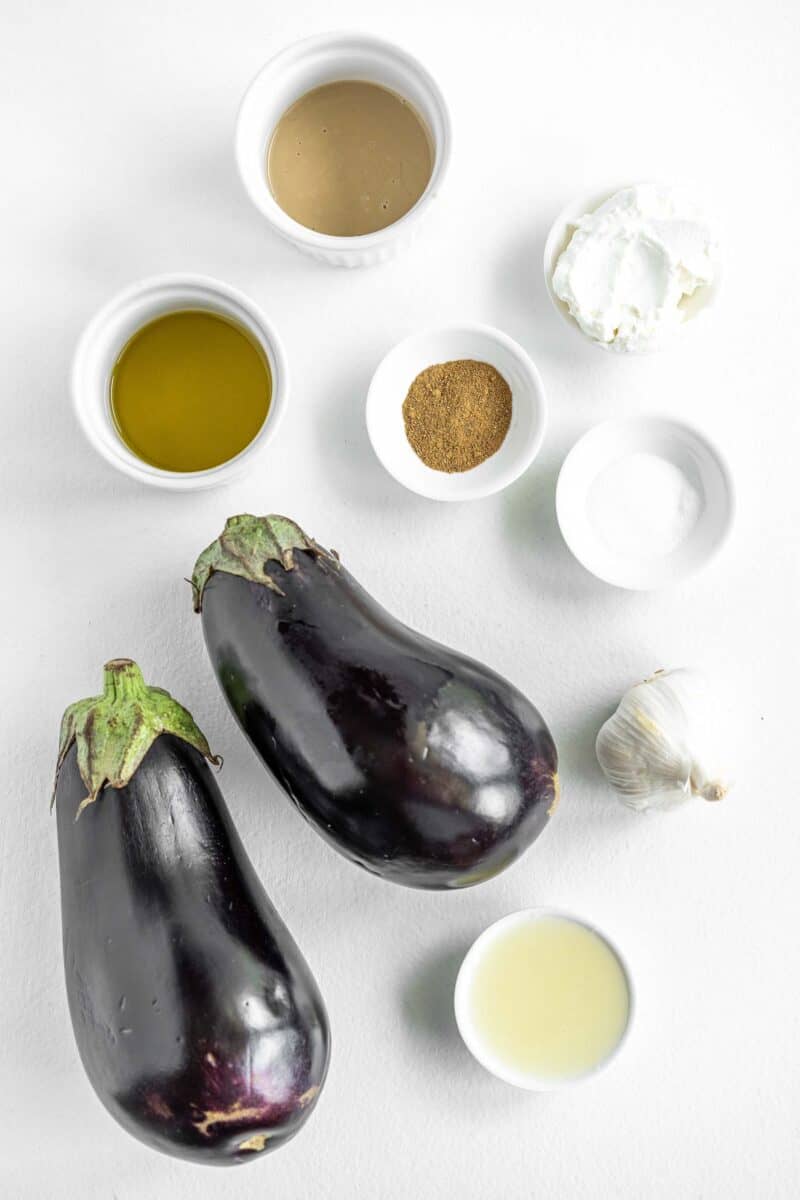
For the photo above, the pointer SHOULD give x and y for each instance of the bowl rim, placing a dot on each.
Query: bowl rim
(556, 242)
(156, 285)
(490, 1062)
(437, 490)
(263, 199)
(616, 424)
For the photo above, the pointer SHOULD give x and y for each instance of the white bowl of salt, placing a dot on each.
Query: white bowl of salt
(644, 501)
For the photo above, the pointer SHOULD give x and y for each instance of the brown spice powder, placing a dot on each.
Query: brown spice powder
(457, 414)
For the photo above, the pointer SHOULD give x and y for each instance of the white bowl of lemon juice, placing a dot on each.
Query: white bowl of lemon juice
(543, 999)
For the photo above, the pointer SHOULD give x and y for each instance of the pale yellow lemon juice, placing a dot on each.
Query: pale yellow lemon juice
(542, 999)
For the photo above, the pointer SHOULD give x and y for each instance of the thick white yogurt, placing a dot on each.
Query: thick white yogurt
(630, 263)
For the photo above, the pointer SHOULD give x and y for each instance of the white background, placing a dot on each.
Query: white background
(117, 163)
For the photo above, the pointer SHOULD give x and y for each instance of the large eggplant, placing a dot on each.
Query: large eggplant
(417, 763)
(197, 1019)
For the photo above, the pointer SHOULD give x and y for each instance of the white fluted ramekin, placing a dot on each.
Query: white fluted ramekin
(113, 326)
(311, 63)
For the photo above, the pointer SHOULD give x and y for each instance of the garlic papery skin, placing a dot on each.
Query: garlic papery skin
(649, 750)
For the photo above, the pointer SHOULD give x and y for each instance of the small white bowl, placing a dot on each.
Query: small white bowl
(309, 64)
(389, 388)
(471, 1036)
(115, 323)
(678, 443)
(557, 241)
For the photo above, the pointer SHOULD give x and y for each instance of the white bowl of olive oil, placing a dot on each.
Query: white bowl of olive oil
(543, 999)
(180, 381)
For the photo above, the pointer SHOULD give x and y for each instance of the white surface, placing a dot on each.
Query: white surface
(310, 63)
(611, 446)
(398, 370)
(116, 131)
(115, 324)
(475, 1038)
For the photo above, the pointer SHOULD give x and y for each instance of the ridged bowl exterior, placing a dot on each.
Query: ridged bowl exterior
(311, 63)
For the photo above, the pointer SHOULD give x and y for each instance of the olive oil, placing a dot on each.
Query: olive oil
(190, 390)
(549, 998)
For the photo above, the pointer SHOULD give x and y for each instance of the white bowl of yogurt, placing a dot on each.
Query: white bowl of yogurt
(628, 268)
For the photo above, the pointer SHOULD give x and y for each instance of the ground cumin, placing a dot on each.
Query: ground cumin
(457, 414)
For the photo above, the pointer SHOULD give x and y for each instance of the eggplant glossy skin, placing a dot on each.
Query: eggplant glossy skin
(197, 1019)
(417, 763)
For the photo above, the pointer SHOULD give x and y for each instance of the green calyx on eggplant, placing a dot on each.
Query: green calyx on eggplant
(419, 764)
(197, 1019)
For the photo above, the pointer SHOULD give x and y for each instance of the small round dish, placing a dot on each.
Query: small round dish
(112, 327)
(389, 388)
(308, 64)
(557, 241)
(692, 453)
(476, 1043)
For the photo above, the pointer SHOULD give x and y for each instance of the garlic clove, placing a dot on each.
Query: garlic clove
(646, 748)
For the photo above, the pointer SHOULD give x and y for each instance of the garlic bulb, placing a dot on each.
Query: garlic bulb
(648, 749)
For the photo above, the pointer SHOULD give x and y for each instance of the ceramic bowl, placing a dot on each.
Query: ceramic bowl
(678, 443)
(476, 1043)
(557, 241)
(115, 323)
(389, 388)
(309, 64)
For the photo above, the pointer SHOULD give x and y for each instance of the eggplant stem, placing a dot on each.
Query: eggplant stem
(123, 680)
(113, 732)
(247, 546)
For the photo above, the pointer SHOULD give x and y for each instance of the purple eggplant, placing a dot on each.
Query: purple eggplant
(417, 763)
(197, 1019)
